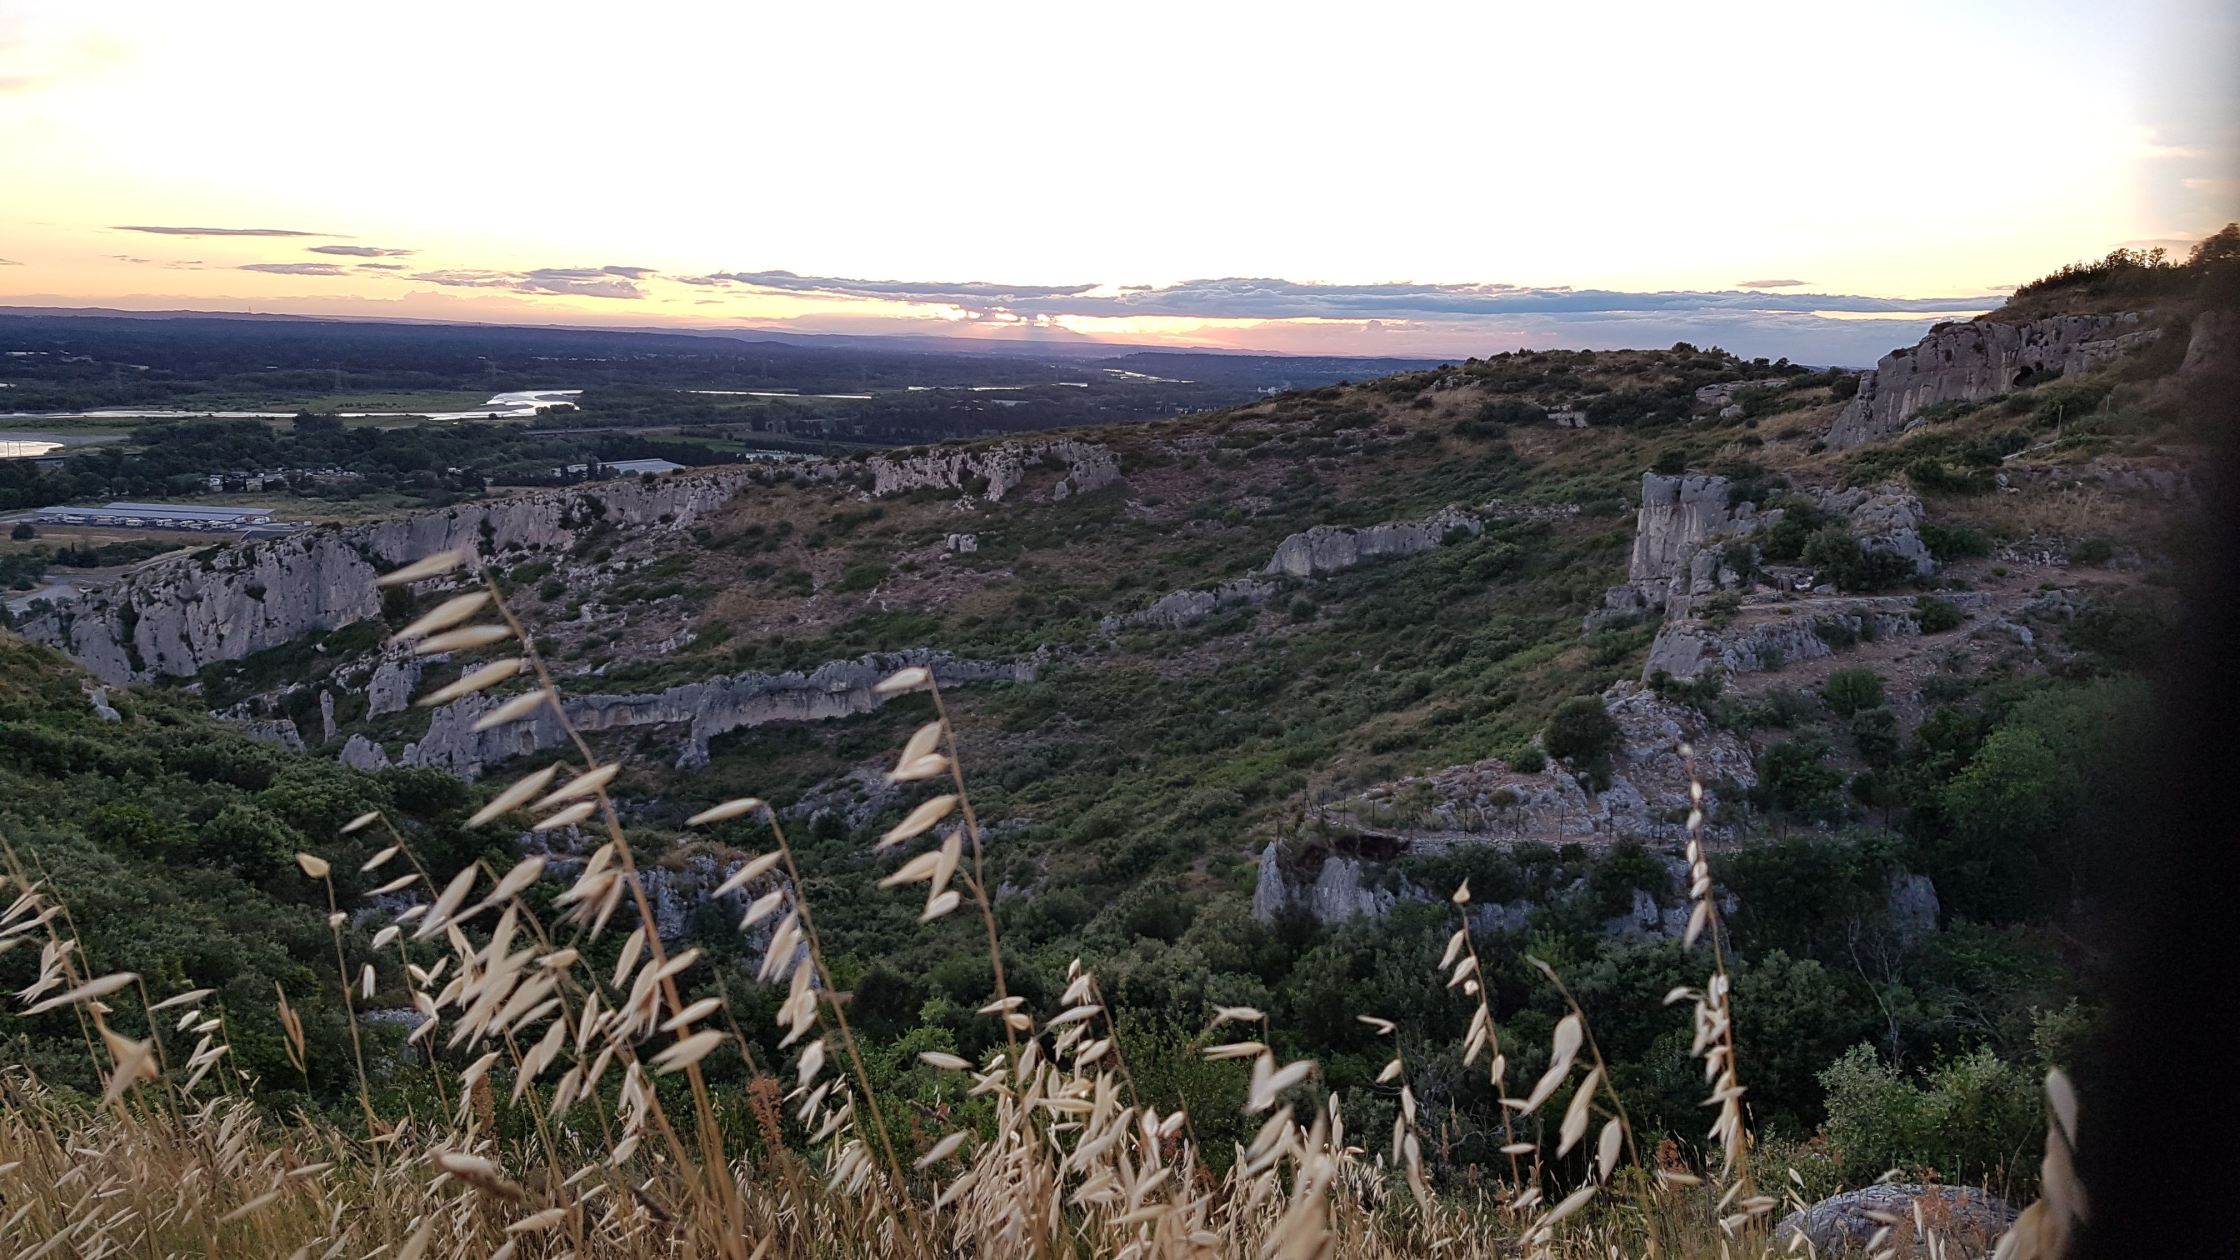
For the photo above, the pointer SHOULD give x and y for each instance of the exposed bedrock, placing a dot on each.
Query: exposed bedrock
(705, 709)
(175, 618)
(1088, 466)
(1326, 548)
(1974, 361)
(1686, 523)
(1176, 609)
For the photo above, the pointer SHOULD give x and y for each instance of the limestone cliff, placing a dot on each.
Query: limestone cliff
(706, 709)
(1003, 467)
(1974, 361)
(1326, 548)
(1686, 522)
(175, 618)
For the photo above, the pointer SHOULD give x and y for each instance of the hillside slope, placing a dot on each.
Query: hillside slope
(1243, 694)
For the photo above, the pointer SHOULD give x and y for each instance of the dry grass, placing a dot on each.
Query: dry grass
(176, 1161)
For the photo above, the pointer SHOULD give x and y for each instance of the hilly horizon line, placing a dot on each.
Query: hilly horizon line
(1025, 340)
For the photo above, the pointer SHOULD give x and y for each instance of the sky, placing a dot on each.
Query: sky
(1821, 181)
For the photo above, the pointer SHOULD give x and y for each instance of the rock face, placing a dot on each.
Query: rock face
(1179, 608)
(394, 680)
(1487, 802)
(706, 709)
(1088, 466)
(174, 618)
(1684, 649)
(1974, 361)
(1337, 889)
(1326, 548)
(1964, 1218)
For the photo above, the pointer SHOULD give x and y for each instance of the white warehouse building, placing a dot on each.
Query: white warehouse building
(157, 516)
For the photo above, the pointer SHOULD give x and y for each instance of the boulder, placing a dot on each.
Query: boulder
(1327, 548)
(1179, 608)
(1968, 1221)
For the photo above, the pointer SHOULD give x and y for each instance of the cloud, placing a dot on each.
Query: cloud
(9, 262)
(359, 251)
(212, 231)
(633, 273)
(18, 83)
(381, 266)
(568, 281)
(468, 279)
(974, 292)
(295, 269)
(1245, 297)
(1769, 284)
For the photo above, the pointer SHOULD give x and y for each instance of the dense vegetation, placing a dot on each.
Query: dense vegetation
(1127, 789)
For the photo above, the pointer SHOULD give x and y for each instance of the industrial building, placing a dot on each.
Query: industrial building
(158, 516)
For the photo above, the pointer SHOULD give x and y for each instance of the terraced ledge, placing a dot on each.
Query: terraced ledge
(834, 689)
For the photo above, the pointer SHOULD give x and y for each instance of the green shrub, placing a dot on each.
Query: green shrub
(2092, 551)
(1953, 542)
(1850, 690)
(1936, 615)
(1527, 761)
(1975, 1119)
(862, 577)
(1851, 567)
(1580, 730)
(1794, 779)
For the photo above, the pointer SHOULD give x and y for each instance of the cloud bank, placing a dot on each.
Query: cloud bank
(213, 231)
(358, 251)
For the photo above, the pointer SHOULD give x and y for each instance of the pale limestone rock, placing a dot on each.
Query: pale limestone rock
(281, 731)
(1179, 608)
(1722, 395)
(2213, 345)
(1326, 548)
(361, 753)
(394, 680)
(177, 616)
(1089, 466)
(706, 709)
(1974, 361)
(99, 698)
(326, 717)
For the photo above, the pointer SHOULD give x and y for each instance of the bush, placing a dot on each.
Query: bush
(2092, 551)
(1850, 690)
(1793, 779)
(1875, 731)
(1527, 761)
(1953, 542)
(1851, 567)
(23, 532)
(862, 577)
(1936, 615)
(1580, 730)
(1976, 1120)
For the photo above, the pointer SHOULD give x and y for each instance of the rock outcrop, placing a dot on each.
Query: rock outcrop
(1968, 1220)
(1177, 609)
(706, 709)
(1327, 548)
(1489, 802)
(174, 618)
(1685, 648)
(1974, 361)
(1003, 468)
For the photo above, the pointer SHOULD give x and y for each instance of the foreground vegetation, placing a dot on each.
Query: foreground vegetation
(1055, 1145)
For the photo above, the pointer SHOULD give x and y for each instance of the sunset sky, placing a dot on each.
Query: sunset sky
(1817, 180)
